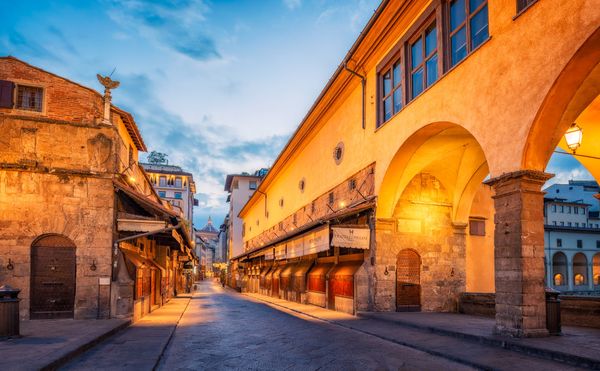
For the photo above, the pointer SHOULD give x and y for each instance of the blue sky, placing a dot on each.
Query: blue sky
(217, 85)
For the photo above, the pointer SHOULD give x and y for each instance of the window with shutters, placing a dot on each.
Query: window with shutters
(7, 89)
(29, 98)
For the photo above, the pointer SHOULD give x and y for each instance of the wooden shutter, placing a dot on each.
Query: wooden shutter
(7, 89)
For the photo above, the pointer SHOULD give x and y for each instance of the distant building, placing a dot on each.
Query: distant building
(175, 186)
(240, 187)
(209, 238)
(572, 237)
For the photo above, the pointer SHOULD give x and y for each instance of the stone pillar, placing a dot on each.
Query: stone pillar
(590, 273)
(570, 273)
(519, 253)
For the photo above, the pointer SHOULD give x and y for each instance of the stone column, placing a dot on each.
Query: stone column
(519, 253)
(590, 273)
(570, 272)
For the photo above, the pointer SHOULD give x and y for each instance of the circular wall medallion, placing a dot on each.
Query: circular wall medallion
(338, 153)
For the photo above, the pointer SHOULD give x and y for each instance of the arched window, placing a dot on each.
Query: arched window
(579, 269)
(559, 279)
(559, 268)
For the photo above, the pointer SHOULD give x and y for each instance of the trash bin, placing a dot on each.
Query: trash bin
(553, 311)
(9, 311)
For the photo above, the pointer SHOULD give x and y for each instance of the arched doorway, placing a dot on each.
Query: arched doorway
(580, 271)
(408, 281)
(53, 271)
(559, 269)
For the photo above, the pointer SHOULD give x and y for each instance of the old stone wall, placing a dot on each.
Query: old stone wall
(80, 208)
(422, 223)
(64, 100)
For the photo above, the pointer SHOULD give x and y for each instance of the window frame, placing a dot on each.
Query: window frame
(467, 24)
(28, 84)
(421, 33)
(434, 12)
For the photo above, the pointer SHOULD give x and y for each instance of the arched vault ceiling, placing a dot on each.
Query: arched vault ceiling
(456, 159)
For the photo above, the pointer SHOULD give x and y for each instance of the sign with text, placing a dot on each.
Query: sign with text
(355, 238)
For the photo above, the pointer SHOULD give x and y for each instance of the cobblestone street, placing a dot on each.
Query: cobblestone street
(224, 330)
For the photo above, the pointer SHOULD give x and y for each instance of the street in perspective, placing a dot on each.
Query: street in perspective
(300, 185)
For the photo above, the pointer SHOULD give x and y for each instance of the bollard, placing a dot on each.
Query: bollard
(9, 311)
(553, 311)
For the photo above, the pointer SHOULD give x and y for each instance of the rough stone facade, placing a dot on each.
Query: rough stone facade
(422, 223)
(56, 178)
(519, 254)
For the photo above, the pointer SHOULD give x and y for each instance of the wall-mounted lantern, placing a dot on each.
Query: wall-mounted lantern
(573, 137)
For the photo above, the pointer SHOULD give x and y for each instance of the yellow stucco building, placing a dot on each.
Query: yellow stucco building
(429, 144)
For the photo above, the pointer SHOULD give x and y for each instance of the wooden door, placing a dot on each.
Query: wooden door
(153, 287)
(53, 271)
(408, 281)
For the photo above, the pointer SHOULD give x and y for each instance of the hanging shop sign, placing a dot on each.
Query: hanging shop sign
(316, 241)
(270, 254)
(355, 238)
(295, 248)
(280, 252)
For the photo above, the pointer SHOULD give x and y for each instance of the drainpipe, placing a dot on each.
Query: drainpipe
(363, 81)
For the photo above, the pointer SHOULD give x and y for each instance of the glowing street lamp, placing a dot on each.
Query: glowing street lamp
(573, 137)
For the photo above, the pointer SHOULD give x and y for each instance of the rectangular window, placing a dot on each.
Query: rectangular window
(178, 182)
(162, 194)
(391, 91)
(562, 224)
(162, 181)
(30, 98)
(568, 224)
(423, 61)
(523, 4)
(252, 185)
(579, 244)
(559, 242)
(576, 224)
(468, 27)
(568, 209)
(554, 222)
(178, 195)
(236, 184)
(562, 209)
(331, 198)
(554, 208)
(576, 209)
(598, 244)
(477, 227)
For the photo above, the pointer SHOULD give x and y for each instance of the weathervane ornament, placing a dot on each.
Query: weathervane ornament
(108, 84)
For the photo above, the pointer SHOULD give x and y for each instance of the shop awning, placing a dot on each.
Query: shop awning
(139, 261)
(287, 270)
(301, 268)
(361, 206)
(345, 269)
(320, 269)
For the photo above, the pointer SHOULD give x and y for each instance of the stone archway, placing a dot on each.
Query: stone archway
(53, 273)
(408, 281)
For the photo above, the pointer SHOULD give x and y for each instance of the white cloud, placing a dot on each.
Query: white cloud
(292, 4)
